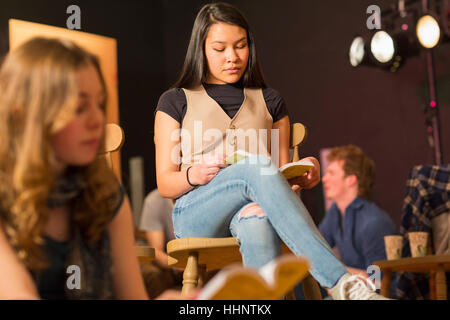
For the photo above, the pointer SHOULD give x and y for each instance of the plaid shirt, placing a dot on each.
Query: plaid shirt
(427, 196)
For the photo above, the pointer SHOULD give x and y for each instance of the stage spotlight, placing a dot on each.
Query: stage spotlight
(428, 31)
(382, 47)
(385, 51)
(357, 51)
(390, 47)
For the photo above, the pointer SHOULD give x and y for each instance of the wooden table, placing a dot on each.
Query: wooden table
(435, 265)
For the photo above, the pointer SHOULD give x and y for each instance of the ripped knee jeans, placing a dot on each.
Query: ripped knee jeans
(262, 211)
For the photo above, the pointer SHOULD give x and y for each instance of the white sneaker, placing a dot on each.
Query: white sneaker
(355, 287)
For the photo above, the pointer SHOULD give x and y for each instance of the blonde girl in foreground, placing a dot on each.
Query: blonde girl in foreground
(60, 205)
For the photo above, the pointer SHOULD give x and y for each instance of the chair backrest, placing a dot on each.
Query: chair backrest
(297, 138)
(114, 139)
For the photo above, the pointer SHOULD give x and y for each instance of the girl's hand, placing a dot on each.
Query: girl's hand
(296, 188)
(309, 179)
(207, 169)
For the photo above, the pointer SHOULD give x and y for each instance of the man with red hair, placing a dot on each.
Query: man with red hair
(354, 226)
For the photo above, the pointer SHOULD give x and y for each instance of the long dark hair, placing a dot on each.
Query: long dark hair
(195, 67)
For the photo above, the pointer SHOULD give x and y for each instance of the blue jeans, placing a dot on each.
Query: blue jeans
(213, 210)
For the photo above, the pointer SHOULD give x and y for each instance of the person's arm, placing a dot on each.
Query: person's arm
(127, 278)
(284, 127)
(155, 240)
(15, 280)
(310, 179)
(172, 183)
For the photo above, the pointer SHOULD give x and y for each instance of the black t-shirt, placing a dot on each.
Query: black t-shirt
(229, 96)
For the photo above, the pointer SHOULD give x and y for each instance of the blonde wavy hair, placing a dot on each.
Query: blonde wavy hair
(39, 97)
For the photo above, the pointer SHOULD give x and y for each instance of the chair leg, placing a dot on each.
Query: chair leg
(201, 276)
(432, 284)
(190, 274)
(311, 288)
(386, 283)
(441, 285)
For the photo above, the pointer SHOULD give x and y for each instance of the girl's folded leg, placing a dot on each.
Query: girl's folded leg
(258, 241)
(257, 180)
(208, 210)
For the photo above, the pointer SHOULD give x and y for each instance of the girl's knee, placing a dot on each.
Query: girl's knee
(254, 227)
(252, 210)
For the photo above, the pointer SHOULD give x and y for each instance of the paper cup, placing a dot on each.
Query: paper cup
(418, 243)
(393, 245)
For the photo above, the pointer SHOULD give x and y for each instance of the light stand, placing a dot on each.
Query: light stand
(433, 107)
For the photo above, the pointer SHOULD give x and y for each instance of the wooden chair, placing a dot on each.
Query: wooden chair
(197, 255)
(426, 208)
(114, 139)
(435, 265)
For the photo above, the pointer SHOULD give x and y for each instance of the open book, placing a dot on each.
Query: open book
(270, 282)
(289, 170)
(296, 169)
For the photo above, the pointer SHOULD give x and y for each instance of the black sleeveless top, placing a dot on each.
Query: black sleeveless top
(51, 283)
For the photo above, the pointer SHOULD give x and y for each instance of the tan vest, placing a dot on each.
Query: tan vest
(207, 129)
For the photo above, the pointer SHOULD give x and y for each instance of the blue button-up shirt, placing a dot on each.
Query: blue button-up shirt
(359, 235)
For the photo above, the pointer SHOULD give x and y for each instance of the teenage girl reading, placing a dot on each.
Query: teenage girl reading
(220, 95)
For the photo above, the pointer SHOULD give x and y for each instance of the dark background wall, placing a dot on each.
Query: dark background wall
(303, 48)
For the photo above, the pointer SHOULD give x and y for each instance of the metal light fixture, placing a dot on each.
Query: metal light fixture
(385, 51)
(357, 51)
(403, 36)
(382, 47)
(428, 31)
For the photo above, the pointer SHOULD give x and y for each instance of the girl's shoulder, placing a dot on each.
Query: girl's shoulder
(271, 94)
(173, 94)
(115, 199)
(275, 103)
(173, 102)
